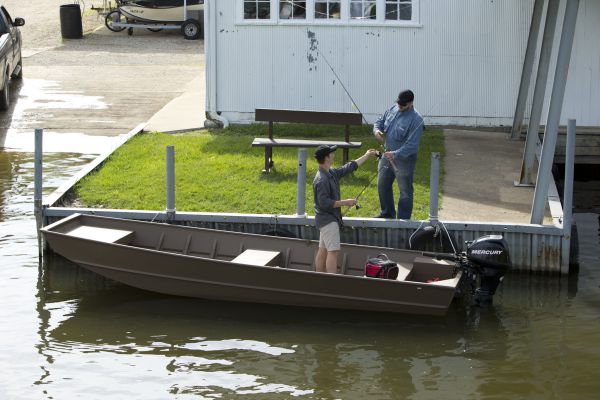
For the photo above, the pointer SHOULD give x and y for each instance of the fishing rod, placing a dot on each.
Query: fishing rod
(379, 153)
(357, 205)
(383, 150)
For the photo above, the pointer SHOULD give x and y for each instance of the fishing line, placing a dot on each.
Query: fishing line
(342, 84)
(390, 161)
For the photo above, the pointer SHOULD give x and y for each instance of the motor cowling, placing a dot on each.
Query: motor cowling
(489, 254)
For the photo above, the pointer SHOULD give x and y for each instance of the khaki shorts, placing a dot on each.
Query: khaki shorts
(330, 237)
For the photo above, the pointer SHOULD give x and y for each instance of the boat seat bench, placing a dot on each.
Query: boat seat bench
(425, 268)
(107, 235)
(403, 272)
(259, 258)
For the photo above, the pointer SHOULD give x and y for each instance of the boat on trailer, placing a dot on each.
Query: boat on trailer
(159, 11)
(236, 266)
(156, 15)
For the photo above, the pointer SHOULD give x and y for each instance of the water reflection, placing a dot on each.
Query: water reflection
(6, 166)
(19, 267)
(213, 349)
(233, 349)
(6, 116)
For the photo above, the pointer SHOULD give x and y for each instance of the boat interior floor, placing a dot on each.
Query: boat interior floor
(256, 252)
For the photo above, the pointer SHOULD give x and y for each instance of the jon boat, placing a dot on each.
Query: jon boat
(167, 11)
(233, 266)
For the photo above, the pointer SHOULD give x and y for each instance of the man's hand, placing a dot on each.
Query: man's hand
(371, 153)
(378, 136)
(389, 155)
(349, 202)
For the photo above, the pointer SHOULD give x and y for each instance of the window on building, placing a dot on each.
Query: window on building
(257, 9)
(363, 9)
(327, 9)
(398, 10)
(351, 12)
(292, 9)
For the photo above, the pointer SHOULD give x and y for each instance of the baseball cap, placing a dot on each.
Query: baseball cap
(324, 150)
(405, 97)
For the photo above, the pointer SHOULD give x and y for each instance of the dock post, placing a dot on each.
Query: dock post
(568, 195)
(37, 186)
(301, 197)
(539, 93)
(556, 104)
(534, 29)
(434, 180)
(170, 183)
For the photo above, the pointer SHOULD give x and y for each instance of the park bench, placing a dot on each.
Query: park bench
(306, 117)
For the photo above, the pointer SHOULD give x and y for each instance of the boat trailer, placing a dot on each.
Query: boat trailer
(130, 14)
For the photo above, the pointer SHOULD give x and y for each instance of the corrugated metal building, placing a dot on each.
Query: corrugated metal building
(463, 58)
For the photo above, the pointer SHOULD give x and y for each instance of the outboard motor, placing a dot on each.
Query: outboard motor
(489, 255)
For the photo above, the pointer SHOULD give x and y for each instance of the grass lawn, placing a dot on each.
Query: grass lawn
(218, 171)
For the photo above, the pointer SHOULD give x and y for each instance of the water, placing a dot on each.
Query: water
(67, 333)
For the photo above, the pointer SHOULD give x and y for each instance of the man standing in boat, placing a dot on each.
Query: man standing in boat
(328, 217)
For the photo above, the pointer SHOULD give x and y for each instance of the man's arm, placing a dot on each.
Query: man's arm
(342, 203)
(370, 153)
(359, 161)
(352, 165)
(325, 202)
(378, 127)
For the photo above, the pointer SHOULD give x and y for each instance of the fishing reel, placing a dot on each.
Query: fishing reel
(379, 154)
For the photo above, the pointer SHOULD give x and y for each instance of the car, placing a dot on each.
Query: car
(11, 62)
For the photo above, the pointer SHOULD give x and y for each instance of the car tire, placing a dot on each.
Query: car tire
(5, 94)
(19, 76)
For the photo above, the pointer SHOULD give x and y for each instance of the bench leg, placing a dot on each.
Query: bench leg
(268, 159)
(346, 155)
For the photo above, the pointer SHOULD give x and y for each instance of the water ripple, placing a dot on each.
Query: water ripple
(237, 344)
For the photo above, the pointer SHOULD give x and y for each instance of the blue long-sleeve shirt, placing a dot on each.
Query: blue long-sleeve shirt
(403, 130)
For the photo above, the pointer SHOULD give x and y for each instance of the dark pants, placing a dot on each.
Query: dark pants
(404, 178)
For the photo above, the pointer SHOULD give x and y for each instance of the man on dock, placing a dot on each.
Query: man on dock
(403, 127)
(327, 197)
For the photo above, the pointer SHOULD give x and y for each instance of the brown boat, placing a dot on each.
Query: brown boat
(223, 265)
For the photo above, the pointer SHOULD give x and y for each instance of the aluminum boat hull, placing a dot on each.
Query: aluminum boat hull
(197, 262)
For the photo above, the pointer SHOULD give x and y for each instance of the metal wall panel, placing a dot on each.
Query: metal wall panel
(463, 63)
(582, 93)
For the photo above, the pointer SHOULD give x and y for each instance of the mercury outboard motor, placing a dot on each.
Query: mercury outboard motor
(484, 264)
(489, 256)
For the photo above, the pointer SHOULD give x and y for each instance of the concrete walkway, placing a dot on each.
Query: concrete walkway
(102, 85)
(480, 168)
(183, 113)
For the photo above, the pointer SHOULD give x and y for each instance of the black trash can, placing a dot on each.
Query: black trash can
(70, 21)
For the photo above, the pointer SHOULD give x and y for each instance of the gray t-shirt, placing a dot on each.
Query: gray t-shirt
(326, 191)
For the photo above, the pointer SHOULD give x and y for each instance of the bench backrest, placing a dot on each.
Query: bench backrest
(307, 117)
